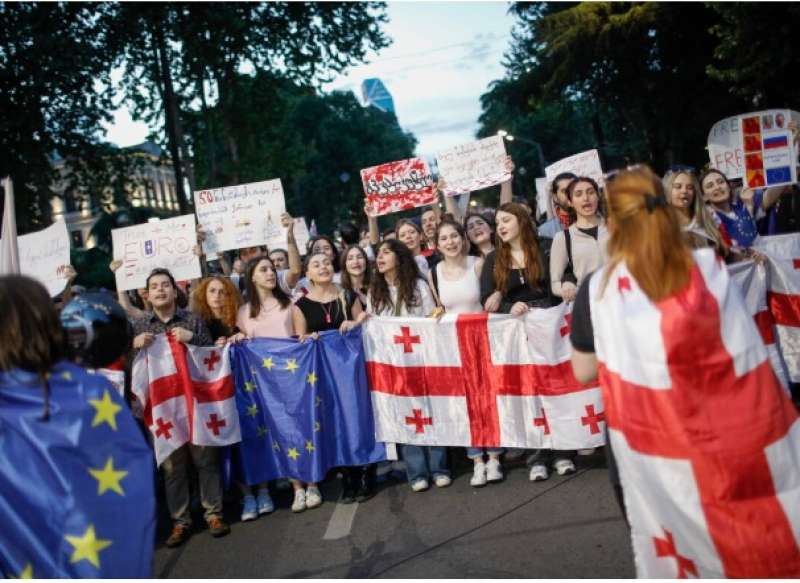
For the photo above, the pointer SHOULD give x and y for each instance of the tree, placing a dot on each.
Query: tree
(55, 65)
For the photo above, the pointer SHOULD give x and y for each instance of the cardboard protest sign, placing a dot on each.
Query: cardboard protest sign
(280, 240)
(473, 166)
(583, 164)
(769, 158)
(168, 243)
(44, 255)
(543, 197)
(245, 215)
(397, 186)
(725, 147)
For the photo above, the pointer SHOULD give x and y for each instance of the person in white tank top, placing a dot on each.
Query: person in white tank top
(456, 283)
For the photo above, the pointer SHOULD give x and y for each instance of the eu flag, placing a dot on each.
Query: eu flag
(77, 485)
(304, 408)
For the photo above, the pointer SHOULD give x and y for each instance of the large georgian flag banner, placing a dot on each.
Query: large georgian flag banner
(187, 395)
(705, 438)
(480, 380)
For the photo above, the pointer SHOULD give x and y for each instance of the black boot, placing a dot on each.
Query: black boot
(349, 485)
(366, 486)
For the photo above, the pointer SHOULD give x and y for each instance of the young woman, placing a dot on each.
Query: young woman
(737, 215)
(267, 313)
(638, 323)
(356, 272)
(397, 289)
(514, 279)
(326, 307)
(410, 235)
(216, 300)
(683, 194)
(480, 231)
(456, 282)
(581, 248)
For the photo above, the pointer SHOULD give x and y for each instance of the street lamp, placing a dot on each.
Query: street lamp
(510, 138)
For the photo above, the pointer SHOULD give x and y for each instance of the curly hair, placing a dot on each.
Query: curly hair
(407, 275)
(232, 300)
(530, 246)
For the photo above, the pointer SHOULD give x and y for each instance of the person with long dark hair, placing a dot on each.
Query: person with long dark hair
(398, 289)
(356, 272)
(480, 232)
(411, 235)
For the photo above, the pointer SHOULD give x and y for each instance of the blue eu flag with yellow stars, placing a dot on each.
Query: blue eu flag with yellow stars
(304, 408)
(76, 479)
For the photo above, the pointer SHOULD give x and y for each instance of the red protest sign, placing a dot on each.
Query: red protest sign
(397, 186)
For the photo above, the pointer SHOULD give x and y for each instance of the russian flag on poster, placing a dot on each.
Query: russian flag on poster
(776, 142)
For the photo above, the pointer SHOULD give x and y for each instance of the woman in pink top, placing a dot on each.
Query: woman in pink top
(267, 313)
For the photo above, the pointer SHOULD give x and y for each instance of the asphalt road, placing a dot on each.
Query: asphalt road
(563, 527)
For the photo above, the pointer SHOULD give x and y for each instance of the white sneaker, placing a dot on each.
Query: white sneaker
(250, 510)
(313, 497)
(442, 481)
(538, 473)
(588, 451)
(299, 503)
(419, 485)
(494, 473)
(478, 479)
(564, 467)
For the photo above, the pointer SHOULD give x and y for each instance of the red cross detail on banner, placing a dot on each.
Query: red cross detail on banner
(181, 384)
(666, 548)
(566, 327)
(214, 424)
(542, 422)
(163, 428)
(688, 423)
(593, 419)
(796, 263)
(419, 420)
(623, 283)
(211, 361)
(477, 379)
(407, 340)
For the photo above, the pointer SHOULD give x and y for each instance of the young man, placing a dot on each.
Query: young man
(186, 327)
(561, 218)
(430, 220)
(279, 258)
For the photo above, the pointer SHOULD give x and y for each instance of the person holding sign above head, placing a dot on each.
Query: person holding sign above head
(683, 194)
(326, 307)
(398, 289)
(561, 218)
(737, 215)
(456, 283)
(581, 248)
(515, 279)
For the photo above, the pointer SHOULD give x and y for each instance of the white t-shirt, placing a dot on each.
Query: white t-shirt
(424, 307)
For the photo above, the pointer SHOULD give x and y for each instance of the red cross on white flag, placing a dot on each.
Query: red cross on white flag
(187, 394)
(482, 380)
(704, 436)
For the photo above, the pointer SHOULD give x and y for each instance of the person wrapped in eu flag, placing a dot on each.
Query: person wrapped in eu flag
(76, 473)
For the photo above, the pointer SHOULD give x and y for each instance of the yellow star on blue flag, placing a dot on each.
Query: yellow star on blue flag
(105, 411)
(108, 478)
(87, 547)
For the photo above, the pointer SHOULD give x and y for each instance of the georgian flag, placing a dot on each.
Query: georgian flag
(783, 253)
(705, 439)
(480, 380)
(187, 395)
(752, 281)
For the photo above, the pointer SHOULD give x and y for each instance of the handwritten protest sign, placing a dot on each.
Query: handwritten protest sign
(543, 197)
(768, 151)
(245, 215)
(725, 147)
(396, 186)
(44, 255)
(473, 166)
(168, 243)
(583, 164)
(301, 237)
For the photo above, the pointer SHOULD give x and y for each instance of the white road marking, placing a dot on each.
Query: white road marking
(341, 522)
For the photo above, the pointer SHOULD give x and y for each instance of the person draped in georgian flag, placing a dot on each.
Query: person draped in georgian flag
(704, 437)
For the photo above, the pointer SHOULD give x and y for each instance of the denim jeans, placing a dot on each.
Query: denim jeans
(473, 452)
(176, 481)
(422, 462)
